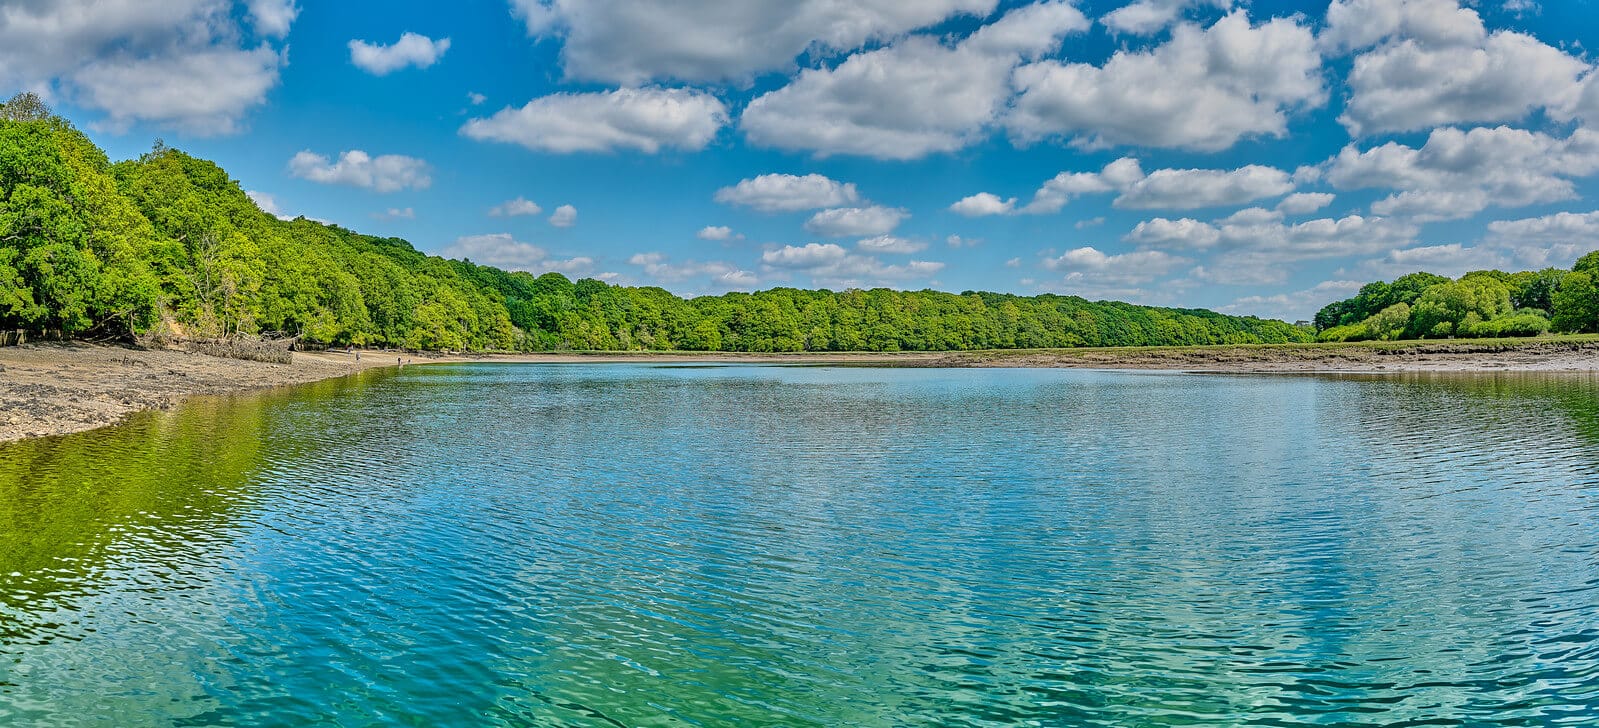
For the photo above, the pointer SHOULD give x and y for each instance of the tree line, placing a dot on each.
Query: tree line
(1479, 304)
(169, 245)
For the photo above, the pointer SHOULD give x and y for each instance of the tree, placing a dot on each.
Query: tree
(1576, 303)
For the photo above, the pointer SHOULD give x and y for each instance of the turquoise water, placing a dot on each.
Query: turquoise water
(618, 545)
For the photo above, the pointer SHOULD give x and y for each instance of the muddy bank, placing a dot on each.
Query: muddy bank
(48, 389)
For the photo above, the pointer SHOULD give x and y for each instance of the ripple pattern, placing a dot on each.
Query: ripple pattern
(619, 545)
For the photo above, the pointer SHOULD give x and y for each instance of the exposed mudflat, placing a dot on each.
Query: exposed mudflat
(50, 389)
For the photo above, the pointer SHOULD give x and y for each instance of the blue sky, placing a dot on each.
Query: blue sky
(1260, 158)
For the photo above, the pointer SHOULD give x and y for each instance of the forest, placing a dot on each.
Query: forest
(168, 246)
(1479, 304)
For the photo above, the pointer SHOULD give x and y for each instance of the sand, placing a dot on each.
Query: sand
(51, 389)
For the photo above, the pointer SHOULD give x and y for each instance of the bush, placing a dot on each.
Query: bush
(1349, 332)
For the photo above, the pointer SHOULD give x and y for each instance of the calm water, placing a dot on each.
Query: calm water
(615, 545)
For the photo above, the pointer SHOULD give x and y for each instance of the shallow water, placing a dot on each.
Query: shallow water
(659, 546)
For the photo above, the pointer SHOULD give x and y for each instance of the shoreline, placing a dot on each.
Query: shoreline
(55, 389)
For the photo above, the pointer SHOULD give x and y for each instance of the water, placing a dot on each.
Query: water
(616, 545)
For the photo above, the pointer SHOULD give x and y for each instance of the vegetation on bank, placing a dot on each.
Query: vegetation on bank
(1480, 304)
(168, 245)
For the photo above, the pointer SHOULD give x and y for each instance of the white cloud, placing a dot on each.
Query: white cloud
(983, 203)
(916, 97)
(1407, 85)
(956, 241)
(1550, 240)
(831, 266)
(1295, 306)
(397, 213)
(1091, 272)
(716, 232)
(203, 92)
(273, 17)
(1185, 233)
(1357, 24)
(411, 49)
(186, 64)
(788, 193)
(1175, 189)
(891, 244)
(842, 222)
(1301, 203)
(500, 250)
(1457, 174)
(1187, 189)
(627, 42)
(385, 173)
(1148, 16)
(1251, 216)
(1450, 260)
(1258, 248)
(564, 216)
(1204, 89)
(643, 119)
(722, 275)
(476, 98)
(515, 208)
(267, 203)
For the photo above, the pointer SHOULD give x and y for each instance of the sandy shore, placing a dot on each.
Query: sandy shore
(53, 389)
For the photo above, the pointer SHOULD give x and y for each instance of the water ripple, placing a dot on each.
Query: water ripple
(643, 546)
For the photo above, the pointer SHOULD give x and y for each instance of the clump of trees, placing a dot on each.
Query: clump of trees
(168, 243)
(1482, 304)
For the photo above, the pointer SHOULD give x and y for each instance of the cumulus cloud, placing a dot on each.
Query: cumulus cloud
(503, 251)
(629, 43)
(983, 203)
(1550, 240)
(1295, 306)
(916, 97)
(564, 216)
(1357, 24)
(720, 274)
(716, 232)
(1173, 189)
(273, 17)
(891, 244)
(832, 266)
(186, 64)
(1187, 189)
(384, 173)
(1259, 248)
(476, 98)
(411, 50)
(788, 193)
(1457, 174)
(1453, 260)
(1139, 266)
(1204, 89)
(515, 208)
(397, 213)
(1407, 85)
(1301, 203)
(842, 222)
(1148, 16)
(642, 119)
(267, 203)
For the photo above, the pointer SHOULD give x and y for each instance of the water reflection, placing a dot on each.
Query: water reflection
(628, 545)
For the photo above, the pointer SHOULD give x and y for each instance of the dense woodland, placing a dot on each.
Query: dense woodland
(1480, 304)
(168, 245)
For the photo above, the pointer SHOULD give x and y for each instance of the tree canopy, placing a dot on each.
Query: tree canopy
(169, 242)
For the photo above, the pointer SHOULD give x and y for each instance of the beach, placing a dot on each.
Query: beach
(53, 389)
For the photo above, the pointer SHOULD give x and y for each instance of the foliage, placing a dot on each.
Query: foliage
(1487, 303)
(170, 240)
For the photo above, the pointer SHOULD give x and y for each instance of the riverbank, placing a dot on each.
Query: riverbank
(52, 389)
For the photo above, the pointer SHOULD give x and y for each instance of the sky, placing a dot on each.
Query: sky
(1259, 158)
